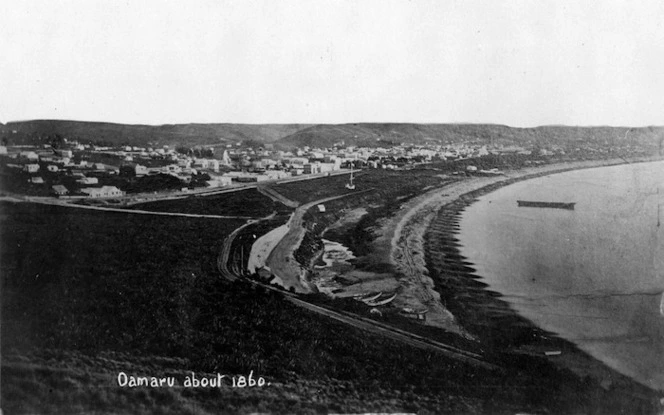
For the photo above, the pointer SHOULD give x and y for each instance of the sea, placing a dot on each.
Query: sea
(593, 275)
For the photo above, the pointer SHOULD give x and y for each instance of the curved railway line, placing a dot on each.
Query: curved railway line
(346, 317)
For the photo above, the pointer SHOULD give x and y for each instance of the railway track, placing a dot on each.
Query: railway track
(353, 320)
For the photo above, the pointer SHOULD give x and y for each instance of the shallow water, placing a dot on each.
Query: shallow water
(595, 274)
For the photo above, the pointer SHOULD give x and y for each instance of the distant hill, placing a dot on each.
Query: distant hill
(169, 134)
(386, 134)
(288, 136)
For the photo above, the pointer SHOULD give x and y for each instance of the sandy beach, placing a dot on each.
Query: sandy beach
(402, 242)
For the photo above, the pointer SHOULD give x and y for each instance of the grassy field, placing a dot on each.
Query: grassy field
(385, 183)
(86, 295)
(241, 203)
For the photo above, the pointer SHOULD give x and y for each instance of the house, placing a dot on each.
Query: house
(133, 170)
(88, 180)
(31, 168)
(200, 164)
(3, 149)
(311, 168)
(220, 181)
(171, 169)
(28, 155)
(328, 167)
(298, 161)
(267, 163)
(59, 190)
(104, 191)
(210, 164)
(276, 174)
(184, 163)
(36, 180)
(66, 153)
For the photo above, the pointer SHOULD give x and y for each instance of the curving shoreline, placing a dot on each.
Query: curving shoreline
(403, 238)
(431, 226)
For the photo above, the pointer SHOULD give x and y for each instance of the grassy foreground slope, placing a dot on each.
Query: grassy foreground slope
(87, 294)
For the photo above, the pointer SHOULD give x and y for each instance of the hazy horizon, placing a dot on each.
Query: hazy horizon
(339, 123)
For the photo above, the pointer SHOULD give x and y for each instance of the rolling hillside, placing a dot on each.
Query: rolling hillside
(143, 135)
(386, 134)
(289, 136)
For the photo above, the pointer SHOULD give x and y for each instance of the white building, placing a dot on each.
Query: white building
(220, 181)
(29, 155)
(59, 190)
(88, 180)
(31, 168)
(328, 167)
(276, 174)
(101, 192)
(311, 168)
(206, 164)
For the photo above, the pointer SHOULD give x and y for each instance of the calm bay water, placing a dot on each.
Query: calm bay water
(594, 275)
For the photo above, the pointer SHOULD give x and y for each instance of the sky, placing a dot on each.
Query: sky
(520, 63)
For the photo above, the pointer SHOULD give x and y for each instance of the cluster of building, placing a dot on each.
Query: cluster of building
(87, 167)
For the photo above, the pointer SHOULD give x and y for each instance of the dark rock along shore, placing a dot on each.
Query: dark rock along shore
(499, 328)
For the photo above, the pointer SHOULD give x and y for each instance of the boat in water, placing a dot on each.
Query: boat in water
(554, 205)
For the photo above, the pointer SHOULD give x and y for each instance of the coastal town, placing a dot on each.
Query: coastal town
(281, 242)
(68, 168)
